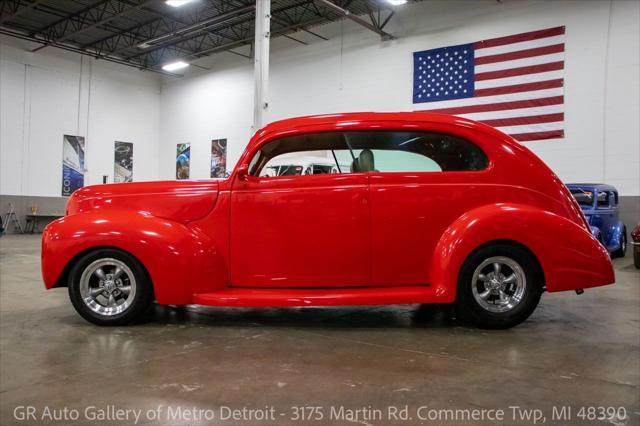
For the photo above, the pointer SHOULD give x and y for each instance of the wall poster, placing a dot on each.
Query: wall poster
(72, 163)
(218, 158)
(123, 162)
(183, 160)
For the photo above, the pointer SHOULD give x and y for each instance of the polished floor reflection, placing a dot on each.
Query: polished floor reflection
(574, 351)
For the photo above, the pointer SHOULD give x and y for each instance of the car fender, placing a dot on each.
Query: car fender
(615, 234)
(569, 255)
(180, 261)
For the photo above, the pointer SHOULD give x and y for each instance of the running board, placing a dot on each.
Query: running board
(285, 297)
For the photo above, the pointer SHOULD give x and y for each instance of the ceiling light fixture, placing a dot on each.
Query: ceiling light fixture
(177, 3)
(397, 2)
(174, 66)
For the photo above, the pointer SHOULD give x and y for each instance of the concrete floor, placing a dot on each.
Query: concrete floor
(574, 351)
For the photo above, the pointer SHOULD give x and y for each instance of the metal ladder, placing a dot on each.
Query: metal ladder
(12, 217)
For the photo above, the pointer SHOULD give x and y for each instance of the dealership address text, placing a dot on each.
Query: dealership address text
(310, 413)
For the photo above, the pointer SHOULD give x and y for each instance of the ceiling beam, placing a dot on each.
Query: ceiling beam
(17, 11)
(300, 28)
(189, 30)
(228, 34)
(131, 37)
(35, 39)
(248, 40)
(347, 14)
(115, 6)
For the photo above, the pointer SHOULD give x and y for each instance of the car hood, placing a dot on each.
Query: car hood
(181, 201)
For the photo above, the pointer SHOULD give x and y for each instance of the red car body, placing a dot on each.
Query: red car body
(377, 238)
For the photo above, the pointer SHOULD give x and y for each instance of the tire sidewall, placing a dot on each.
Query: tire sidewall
(469, 307)
(142, 299)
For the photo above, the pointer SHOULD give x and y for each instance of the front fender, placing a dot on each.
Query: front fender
(180, 261)
(570, 257)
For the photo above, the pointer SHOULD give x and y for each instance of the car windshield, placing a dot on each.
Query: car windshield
(584, 198)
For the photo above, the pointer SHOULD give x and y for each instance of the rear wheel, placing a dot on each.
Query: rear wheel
(110, 287)
(499, 286)
(622, 244)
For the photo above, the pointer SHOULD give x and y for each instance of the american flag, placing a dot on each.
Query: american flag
(514, 83)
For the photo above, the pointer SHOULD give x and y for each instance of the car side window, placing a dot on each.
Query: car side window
(614, 199)
(367, 151)
(603, 199)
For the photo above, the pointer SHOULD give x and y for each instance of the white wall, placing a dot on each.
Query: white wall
(602, 141)
(48, 94)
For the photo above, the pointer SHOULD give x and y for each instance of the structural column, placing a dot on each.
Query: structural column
(261, 62)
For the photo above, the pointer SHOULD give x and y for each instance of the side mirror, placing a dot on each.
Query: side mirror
(243, 171)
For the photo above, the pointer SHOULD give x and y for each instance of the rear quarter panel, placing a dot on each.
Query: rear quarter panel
(570, 257)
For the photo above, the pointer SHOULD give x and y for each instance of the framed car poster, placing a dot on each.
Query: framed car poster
(218, 158)
(123, 162)
(72, 163)
(183, 160)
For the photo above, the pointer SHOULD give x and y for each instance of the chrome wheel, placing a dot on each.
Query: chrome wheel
(107, 286)
(498, 284)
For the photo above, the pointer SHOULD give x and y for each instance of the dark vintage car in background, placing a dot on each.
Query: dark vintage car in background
(635, 236)
(599, 203)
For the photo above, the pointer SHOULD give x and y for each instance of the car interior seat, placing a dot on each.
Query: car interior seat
(366, 161)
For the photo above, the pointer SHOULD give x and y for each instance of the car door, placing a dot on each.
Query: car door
(604, 212)
(300, 231)
(419, 183)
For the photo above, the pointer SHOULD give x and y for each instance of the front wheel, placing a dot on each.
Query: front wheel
(110, 287)
(499, 286)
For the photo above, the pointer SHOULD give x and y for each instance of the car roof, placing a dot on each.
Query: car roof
(595, 186)
(291, 124)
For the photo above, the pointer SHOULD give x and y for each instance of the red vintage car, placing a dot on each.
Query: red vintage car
(432, 209)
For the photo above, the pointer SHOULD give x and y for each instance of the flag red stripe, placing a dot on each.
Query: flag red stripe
(517, 38)
(535, 136)
(500, 106)
(521, 121)
(512, 72)
(516, 88)
(519, 54)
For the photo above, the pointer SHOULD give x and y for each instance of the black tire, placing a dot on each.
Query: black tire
(141, 302)
(469, 308)
(622, 251)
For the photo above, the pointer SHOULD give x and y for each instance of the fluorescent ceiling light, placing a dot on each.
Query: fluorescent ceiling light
(173, 66)
(177, 3)
(391, 2)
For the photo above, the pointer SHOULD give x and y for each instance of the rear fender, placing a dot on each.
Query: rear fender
(614, 235)
(570, 257)
(180, 261)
